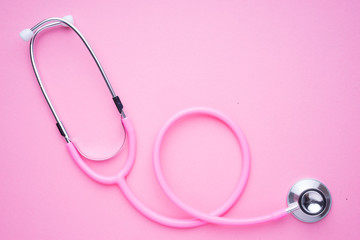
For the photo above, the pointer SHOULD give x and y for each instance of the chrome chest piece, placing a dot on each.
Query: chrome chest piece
(313, 200)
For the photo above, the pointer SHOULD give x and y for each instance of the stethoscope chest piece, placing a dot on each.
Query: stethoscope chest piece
(313, 200)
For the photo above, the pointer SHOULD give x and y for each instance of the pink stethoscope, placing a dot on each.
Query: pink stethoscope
(309, 200)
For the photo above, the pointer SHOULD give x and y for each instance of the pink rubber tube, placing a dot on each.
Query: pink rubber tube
(130, 131)
(200, 218)
(245, 171)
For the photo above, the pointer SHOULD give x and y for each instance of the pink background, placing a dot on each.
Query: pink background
(287, 73)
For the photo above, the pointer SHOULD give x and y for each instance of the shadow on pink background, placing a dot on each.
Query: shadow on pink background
(287, 73)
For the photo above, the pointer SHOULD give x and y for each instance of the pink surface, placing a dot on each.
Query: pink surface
(287, 73)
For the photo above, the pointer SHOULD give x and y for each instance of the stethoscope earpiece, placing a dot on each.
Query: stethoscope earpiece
(312, 198)
(28, 33)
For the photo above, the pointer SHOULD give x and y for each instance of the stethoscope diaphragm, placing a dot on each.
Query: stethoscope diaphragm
(313, 200)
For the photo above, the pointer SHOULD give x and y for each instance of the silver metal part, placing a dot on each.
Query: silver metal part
(312, 198)
(123, 115)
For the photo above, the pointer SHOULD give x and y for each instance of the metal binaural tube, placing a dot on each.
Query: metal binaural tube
(52, 22)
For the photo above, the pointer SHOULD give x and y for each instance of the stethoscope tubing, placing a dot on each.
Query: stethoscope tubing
(244, 173)
(200, 217)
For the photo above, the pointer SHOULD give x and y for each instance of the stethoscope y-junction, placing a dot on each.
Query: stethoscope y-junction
(308, 200)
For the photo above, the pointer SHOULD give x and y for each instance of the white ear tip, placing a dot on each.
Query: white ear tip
(68, 18)
(26, 34)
